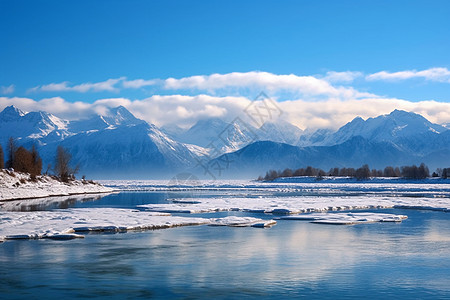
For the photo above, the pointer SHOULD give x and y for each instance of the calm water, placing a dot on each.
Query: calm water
(291, 259)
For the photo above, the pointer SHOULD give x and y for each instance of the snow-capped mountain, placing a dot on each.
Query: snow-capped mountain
(117, 116)
(222, 137)
(113, 145)
(313, 137)
(219, 136)
(398, 127)
(116, 144)
(129, 151)
(398, 138)
(40, 126)
(279, 131)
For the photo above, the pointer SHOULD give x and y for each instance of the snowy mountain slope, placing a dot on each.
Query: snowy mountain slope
(399, 127)
(173, 131)
(219, 136)
(30, 127)
(127, 151)
(118, 116)
(256, 158)
(112, 145)
(279, 131)
(222, 137)
(310, 137)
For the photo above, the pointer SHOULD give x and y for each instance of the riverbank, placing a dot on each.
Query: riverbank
(17, 186)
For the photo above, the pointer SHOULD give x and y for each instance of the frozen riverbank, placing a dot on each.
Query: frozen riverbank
(14, 185)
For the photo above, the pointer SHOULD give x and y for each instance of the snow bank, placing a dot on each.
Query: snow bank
(14, 185)
(346, 218)
(68, 223)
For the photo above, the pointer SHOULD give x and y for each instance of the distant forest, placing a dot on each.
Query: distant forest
(364, 172)
(29, 161)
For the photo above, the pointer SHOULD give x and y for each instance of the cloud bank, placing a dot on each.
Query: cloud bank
(253, 81)
(312, 101)
(433, 74)
(185, 110)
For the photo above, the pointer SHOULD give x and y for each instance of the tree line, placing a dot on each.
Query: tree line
(364, 172)
(29, 161)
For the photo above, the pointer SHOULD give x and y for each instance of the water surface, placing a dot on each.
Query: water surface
(292, 259)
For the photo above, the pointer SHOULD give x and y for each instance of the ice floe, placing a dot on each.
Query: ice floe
(296, 205)
(69, 223)
(241, 222)
(346, 218)
(330, 186)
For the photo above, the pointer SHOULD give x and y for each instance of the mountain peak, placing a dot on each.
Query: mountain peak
(403, 113)
(121, 116)
(11, 113)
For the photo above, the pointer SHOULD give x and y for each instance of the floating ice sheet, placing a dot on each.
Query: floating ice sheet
(305, 186)
(346, 218)
(242, 222)
(296, 205)
(68, 223)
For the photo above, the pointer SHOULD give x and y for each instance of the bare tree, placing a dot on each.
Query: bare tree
(36, 163)
(362, 173)
(63, 167)
(22, 160)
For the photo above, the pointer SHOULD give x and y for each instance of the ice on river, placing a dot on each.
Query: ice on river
(68, 223)
(296, 205)
(346, 218)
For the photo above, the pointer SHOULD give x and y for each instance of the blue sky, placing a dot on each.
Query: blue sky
(65, 44)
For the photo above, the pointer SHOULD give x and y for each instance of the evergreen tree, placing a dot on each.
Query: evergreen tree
(12, 147)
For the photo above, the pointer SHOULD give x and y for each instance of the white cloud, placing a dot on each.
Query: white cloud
(186, 110)
(305, 85)
(138, 83)
(107, 85)
(345, 77)
(5, 90)
(235, 83)
(433, 74)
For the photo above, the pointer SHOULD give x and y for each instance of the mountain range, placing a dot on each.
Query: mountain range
(119, 145)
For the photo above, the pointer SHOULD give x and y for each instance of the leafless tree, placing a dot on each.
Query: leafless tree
(63, 167)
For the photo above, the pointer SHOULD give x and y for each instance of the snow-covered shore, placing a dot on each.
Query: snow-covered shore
(15, 185)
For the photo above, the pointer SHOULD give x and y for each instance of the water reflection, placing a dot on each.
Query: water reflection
(40, 204)
(410, 259)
